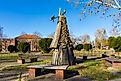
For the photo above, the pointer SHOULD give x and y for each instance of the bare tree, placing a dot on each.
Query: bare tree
(37, 33)
(5, 36)
(73, 38)
(104, 7)
(78, 40)
(100, 37)
(51, 35)
(23, 33)
(1, 37)
(115, 32)
(116, 4)
(85, 39)
(1, 32)
(100, 34)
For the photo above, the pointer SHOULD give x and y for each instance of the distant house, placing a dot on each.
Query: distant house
(33, 40)
(6, 43)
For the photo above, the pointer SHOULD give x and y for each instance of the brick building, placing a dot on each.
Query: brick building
(33, 40)
(6, 43)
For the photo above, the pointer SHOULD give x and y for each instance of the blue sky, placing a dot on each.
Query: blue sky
(28, 16)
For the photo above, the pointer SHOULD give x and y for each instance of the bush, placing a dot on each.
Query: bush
(44, 44)
(11, 48)
(115, 43)
(87, 47)
(79, 47)
(24, 47)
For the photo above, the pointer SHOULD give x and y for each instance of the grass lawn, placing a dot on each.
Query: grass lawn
(6, 59)
(89, 53)
(9, 56)
(95, 70)
(12, 56)
(23, 67)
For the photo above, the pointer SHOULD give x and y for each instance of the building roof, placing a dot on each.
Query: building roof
(28, 36)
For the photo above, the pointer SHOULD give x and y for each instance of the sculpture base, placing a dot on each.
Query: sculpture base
(21, 61)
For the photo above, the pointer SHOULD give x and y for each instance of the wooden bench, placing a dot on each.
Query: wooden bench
(116, 63)
(35, 70)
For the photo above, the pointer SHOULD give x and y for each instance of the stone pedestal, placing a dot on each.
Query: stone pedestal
(116, 64)
(21, 61)
(34, 72)
(60, 74)
(85, 57)
(33, 59)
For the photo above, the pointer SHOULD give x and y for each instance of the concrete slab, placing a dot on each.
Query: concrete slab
(113, 59)
(49, 67)
(37, 66)
(57, 67)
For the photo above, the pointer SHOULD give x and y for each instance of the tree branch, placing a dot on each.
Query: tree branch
(117, 3)
(109, 5)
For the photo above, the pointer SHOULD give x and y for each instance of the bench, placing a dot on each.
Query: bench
(21, 58)
(35, 70)
(33, 59)
(21, 61)
(116, 63)
(84, 57)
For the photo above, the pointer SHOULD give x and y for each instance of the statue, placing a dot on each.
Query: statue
(62, 44)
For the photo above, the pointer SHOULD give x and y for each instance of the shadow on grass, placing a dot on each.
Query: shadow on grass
(36, 62)
(2, 61)
(81, 60)
(70, 73)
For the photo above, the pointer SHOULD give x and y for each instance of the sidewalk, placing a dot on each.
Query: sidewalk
(7, 64)
(11, 75)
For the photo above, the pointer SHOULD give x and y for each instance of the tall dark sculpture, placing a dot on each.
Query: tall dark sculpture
(62, 44)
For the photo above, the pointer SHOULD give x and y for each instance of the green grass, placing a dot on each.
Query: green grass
(89, 53)
(95, 52)
(15, 68)
(9, 56)
(95, 70)
(23, 67)
(12, 56)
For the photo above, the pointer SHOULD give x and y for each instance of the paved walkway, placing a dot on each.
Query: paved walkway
(51, 77)
(7, 64)
(116, 79)
(11, 75)
(14, 75)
